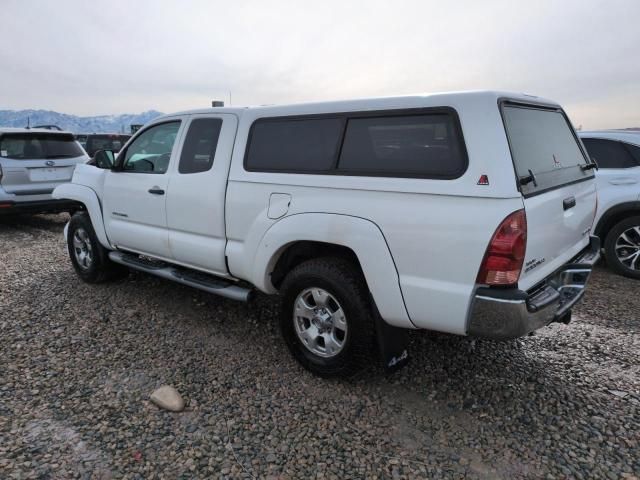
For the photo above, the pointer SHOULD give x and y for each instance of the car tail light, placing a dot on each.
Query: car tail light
(504, 257)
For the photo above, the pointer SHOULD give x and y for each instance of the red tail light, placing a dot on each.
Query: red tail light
(503, 260)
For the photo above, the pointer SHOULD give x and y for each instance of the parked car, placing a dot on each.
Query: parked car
(49, 127)
(617, 153)
(82, 139)
(32, 163)
(369, 217)
(104, 141)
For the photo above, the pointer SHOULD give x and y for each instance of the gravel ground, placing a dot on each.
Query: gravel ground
(78, 363)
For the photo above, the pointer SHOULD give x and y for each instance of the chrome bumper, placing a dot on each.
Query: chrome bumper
(511, 313)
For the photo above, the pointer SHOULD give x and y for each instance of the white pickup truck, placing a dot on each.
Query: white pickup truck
(468, 213)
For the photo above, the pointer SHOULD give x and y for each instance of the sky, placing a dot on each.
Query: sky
(111, 57)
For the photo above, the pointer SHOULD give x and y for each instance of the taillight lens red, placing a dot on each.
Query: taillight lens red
(503, 260)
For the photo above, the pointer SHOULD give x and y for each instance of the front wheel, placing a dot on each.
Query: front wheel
(88, 257)
(326, 317)
(622, 247)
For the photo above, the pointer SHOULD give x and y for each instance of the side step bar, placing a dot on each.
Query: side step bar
(185, 276)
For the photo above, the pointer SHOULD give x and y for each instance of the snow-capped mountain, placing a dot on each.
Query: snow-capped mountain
(74, 123)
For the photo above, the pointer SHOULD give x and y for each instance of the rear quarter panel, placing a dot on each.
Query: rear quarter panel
(436, 230)
(437, 242)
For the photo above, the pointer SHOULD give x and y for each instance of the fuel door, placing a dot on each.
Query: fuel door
(278, 205)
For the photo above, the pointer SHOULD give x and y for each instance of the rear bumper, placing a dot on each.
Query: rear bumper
(512, 313)
(8, 207)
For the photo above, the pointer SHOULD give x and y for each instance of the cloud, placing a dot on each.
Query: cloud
(123, 56)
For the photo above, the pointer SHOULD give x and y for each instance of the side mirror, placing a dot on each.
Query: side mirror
(104, 159)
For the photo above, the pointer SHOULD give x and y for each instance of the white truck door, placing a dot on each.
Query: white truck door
(196, 199)
(134, 209)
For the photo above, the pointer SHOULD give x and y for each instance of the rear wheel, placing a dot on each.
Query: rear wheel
(89, 258)
(622, 247)
(326, 317)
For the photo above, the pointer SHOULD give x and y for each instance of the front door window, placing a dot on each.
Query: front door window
(151, 151)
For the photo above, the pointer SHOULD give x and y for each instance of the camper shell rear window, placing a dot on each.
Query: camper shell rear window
(544, 147)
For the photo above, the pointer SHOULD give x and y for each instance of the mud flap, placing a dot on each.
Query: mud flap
(392, 344)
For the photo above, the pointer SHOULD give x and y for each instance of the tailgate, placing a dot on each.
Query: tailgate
(29, 175)
(557, 185)
(555, 235)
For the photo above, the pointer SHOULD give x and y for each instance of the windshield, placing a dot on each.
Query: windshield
(31, 146)
(545, 151)
(105, 142)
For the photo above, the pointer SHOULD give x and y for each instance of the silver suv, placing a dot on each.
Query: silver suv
(32, 163)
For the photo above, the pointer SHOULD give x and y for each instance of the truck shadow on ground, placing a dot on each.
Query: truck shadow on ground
(463, 373)
(436, 359)
(49, 223)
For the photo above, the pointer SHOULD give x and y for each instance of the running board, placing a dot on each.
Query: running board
(185, 276)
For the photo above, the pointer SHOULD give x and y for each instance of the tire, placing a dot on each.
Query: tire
(94, 266)
(350, 343)
(625, 235)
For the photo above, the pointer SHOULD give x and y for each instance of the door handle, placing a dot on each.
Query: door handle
(568, 203)
(156, 191)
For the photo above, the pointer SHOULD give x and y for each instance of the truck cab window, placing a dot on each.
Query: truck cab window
(200, 145)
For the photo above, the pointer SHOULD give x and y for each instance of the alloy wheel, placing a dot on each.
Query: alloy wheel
(320, 322)
(82, 248)
(627, 248)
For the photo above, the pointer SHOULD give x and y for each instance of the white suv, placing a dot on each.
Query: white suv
(32, 163)
(617, 153)
(467, 213)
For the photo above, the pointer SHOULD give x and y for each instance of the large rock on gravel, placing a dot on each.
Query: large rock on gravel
(168, 398)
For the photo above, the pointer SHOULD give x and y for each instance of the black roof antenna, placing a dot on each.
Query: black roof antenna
(28, 122)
